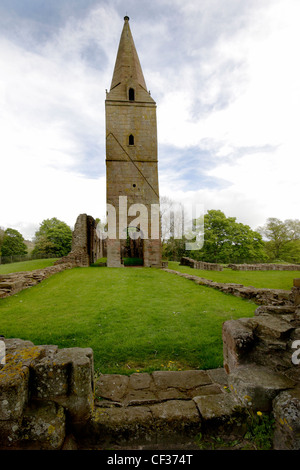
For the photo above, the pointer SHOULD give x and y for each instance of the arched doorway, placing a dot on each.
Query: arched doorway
(132, 251)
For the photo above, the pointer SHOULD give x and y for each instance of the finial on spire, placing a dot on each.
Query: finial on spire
(126, 18)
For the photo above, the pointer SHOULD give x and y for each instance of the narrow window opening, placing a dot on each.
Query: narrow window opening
(131, 94)
(131, 139)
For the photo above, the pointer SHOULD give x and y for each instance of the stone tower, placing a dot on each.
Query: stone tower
(131, 160)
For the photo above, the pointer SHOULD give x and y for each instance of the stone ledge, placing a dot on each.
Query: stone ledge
(159, 386)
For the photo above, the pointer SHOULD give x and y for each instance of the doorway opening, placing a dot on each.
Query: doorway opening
(132, 251)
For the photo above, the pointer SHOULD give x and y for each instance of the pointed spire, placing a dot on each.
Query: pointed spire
(127, 66)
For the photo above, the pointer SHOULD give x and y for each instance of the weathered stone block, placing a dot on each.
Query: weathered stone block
(50, 378)
(116, 425)
(9, 434)
(66, 378)
(269, 325)
(183, 380)
(296, 282)
(257, 386)
(286, 409)
(13, 392)
(14, 377)
(43, 426)
(275, 309)
(238, 339)
(112, 386)
(295, 295)
(175, 418)
(216, 408)
(218, 376)
(140, 381)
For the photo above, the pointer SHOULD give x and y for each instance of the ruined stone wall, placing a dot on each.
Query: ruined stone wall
(200, 264)
(13, 283)
(49, 401)
(258, 358)
(44, 392)
(87, 247)
(265, 267)
(261, 296)
(185, 261)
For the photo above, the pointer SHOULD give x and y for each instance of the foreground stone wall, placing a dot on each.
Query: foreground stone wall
(44, 392)
(49, 401)
(13, 283)
(263, 365)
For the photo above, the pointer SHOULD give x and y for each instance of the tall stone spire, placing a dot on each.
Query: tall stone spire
(131, 159)
(127, 66)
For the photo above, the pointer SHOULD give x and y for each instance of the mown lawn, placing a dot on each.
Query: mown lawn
(26, 265)
(268, 279)
(132, 318)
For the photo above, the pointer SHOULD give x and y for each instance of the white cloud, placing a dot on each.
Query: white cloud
(226, 81)
(51, 108)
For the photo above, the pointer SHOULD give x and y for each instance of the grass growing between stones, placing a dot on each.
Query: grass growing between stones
(261, 279)
(134, 319)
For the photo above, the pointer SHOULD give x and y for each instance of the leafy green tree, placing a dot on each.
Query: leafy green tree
(54, 237)
(282, 237)
(2, 234)
(225, 241)
(13, 243)
(228, 241)
(174, 249)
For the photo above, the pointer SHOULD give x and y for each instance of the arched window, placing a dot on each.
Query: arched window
(131, 139)
(131, 94)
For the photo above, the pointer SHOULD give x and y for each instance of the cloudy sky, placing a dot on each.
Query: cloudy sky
(225, 75)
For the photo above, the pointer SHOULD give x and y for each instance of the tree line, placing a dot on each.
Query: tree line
(225, 240)
(228, 241)
(53, 238)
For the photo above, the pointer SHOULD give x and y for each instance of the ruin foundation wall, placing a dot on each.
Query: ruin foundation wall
(48, 398)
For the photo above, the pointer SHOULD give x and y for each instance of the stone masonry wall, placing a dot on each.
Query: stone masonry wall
(86, 245)
(44, 392)
(13, 283)
(239, 267)
(49, 401)
(261, 296)
(265, 267)
(261, 360)
(200, 264)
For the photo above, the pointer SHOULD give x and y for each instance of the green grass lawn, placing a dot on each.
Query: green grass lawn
(132, 318)
(26, 265)
(268, 279)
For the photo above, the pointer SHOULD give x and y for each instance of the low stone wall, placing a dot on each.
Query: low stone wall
(264, 267)
(49, 399)
(200, 264)
(260, 296)
(13, 283)
(239, 267)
